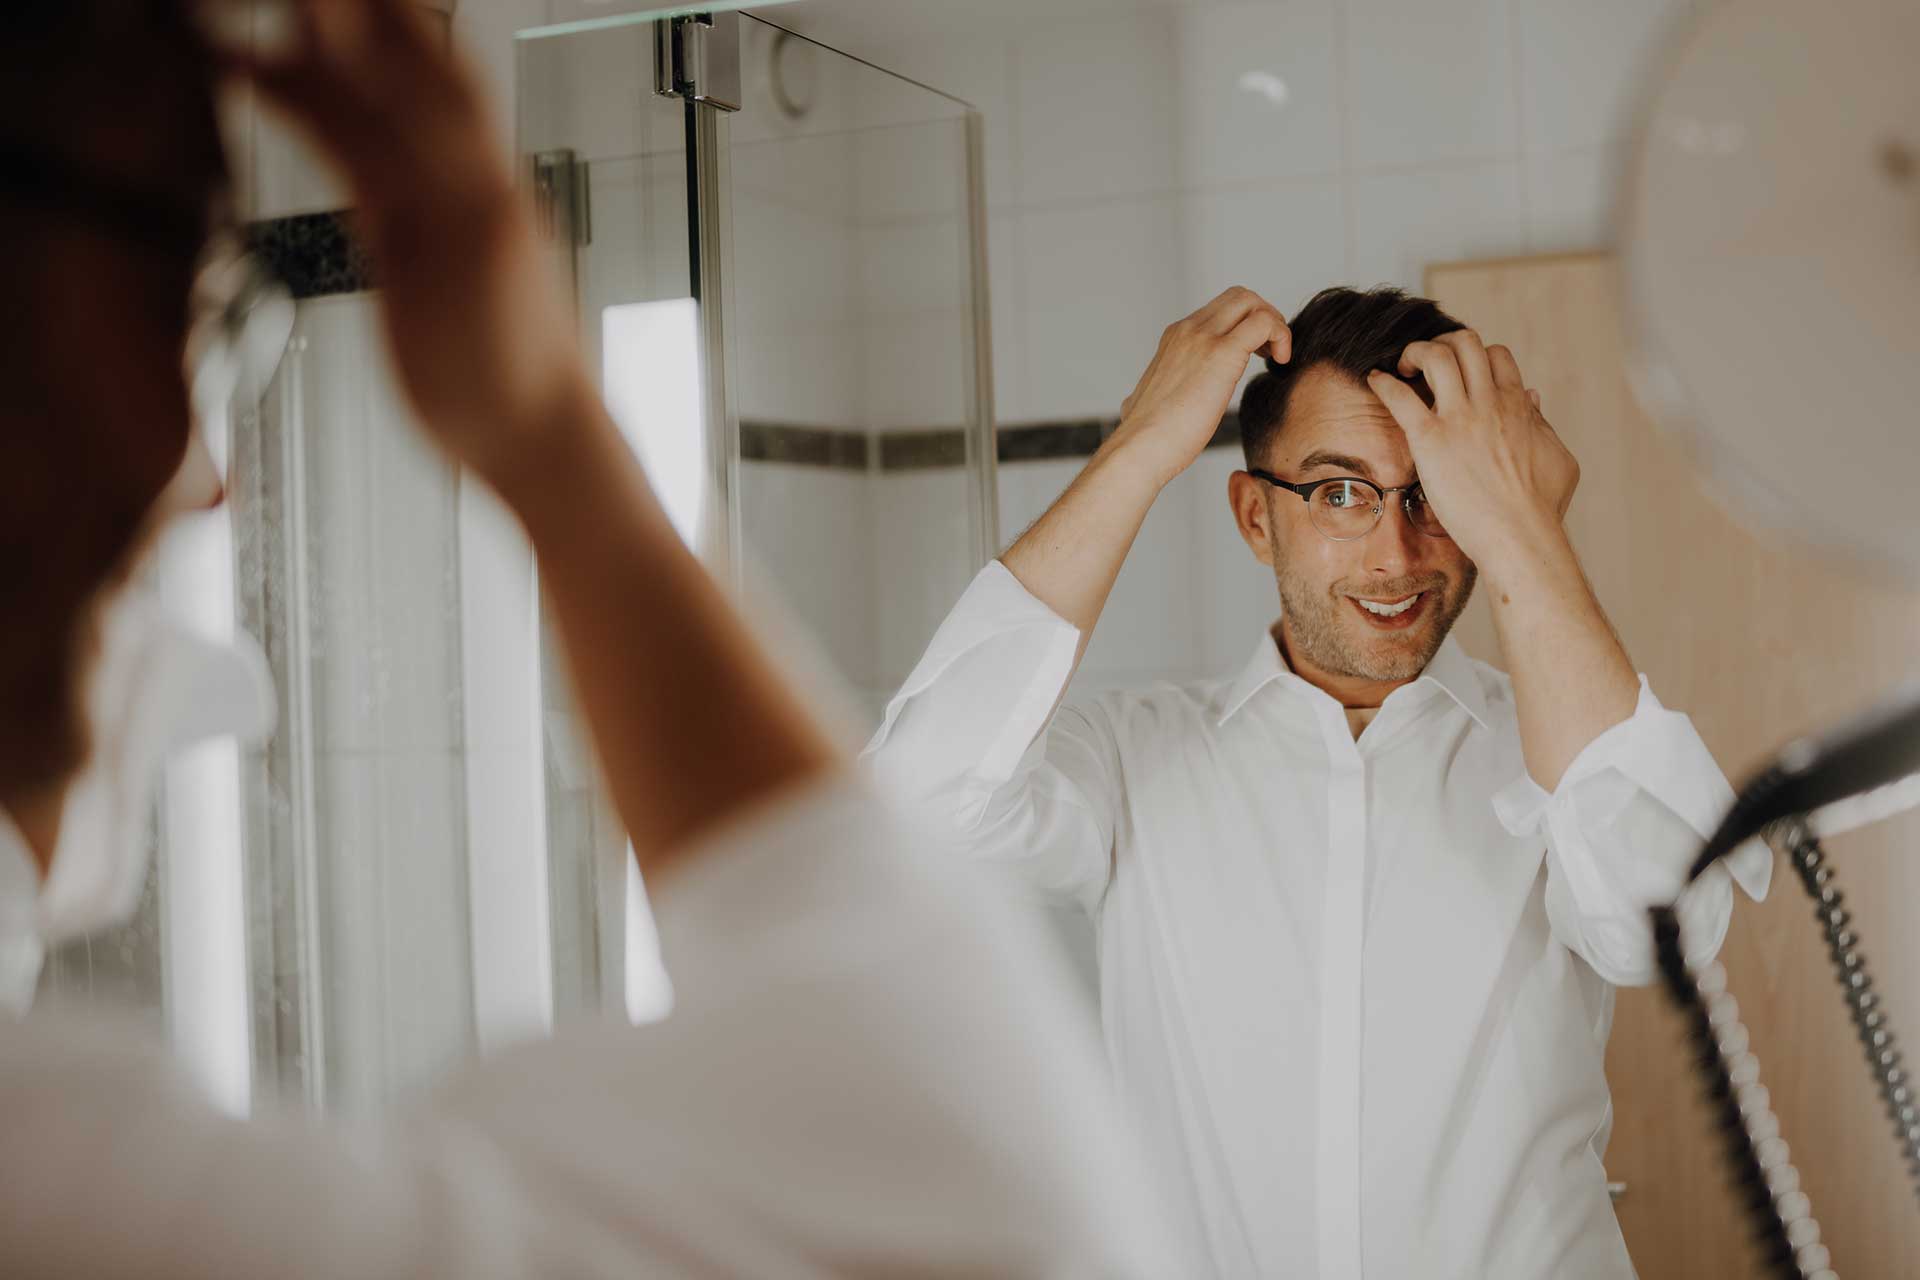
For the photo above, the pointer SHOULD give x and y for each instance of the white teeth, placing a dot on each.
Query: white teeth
(1389, 610)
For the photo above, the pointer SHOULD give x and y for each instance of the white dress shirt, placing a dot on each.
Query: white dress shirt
(1357, 992)
(862, 1077)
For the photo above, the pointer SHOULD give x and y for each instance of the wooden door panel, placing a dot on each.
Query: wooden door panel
(1759, 643)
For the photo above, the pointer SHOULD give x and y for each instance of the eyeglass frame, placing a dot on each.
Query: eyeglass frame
(1306, 492)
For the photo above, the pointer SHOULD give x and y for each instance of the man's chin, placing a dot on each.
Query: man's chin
(1400, 655)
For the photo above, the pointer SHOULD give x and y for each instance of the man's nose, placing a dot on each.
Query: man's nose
(1394, 546)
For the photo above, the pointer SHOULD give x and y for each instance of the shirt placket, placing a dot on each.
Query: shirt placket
(1341, 978)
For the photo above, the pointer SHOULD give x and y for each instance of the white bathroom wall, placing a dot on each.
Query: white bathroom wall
(1143, 157)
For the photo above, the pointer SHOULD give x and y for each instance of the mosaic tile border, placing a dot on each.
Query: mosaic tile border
(315, 254)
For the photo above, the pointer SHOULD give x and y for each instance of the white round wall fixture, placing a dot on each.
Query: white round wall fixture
(1771, 249)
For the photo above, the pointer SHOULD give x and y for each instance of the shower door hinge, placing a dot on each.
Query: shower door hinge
(562, 198)
(697, 57)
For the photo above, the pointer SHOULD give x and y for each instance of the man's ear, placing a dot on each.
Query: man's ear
(1251, 514)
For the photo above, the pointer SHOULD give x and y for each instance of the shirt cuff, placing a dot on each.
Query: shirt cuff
(1655, 752)
(991, 721)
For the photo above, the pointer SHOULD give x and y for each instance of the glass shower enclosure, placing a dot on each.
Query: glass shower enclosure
(778, 255)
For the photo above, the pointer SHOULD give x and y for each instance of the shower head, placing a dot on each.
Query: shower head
(1877, 749)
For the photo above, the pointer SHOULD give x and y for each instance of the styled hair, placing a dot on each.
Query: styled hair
(1354, 331)
(120, 92)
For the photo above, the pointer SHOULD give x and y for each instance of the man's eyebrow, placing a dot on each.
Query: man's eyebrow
(1325, 458)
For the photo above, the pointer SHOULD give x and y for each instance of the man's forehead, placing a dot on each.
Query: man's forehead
(1330, 412)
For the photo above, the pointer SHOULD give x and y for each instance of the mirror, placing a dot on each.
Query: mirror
(906, 306)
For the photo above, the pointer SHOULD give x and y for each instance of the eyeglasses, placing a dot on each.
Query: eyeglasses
(240, 315)
(1347, 508)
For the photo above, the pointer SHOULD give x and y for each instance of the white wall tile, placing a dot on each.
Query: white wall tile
(485, 34)
(805, 373)
(814, 173)
(910, 170)
(398, 1002)
(916, 370)
(913, 266)
(923, 560)
(1571, 199)
(286, 174)
(791, 267)
(1149, 628)
(409, 502)
(1429, 81)
(810, 532)
(1101, 283)
(418, 803)
(1585, 66)
(1237, 598)
(1006, 270)
(510, 939)
(499, 652)
(1405, 222)
(381, 534)
(1285, 241)
(981, 71)
(1097, 109)
(593, 93)
(1150, 625)
(1258, 96)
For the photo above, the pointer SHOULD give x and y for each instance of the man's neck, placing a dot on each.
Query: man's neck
(1360, 697)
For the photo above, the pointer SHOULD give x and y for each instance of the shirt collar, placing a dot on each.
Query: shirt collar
(1451, 671)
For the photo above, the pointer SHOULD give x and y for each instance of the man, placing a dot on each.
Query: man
(1360, 907)
(811, 1109)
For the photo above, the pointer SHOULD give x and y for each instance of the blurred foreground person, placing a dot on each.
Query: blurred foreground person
(869, 1073)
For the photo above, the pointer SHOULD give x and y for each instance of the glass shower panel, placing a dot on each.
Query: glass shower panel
(610, 162)
(862, 479)
(823, 403)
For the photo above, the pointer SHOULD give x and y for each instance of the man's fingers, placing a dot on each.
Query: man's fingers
(1437, 363)
(1533, 398)
(1402, 401)
(1506, 370)
(1476, 372)
(1266, 330)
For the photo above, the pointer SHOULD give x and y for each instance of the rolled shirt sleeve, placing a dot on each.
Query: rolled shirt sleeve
(1622, 828)
(977, 738)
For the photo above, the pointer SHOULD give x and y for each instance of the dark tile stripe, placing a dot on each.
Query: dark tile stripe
(804, 446)
(936, 447)
(314, 253)
(1039, 441)
(922, 450)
